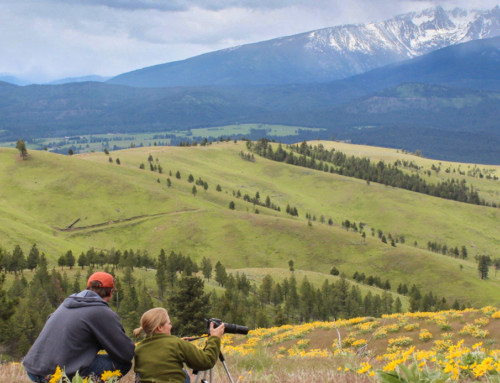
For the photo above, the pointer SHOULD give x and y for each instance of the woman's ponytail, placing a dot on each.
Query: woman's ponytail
(138, 331)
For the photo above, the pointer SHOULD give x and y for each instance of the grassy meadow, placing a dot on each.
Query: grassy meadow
(122, 207)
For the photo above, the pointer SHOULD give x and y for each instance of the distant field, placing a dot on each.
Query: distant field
(245, 129)
(124, 207)
(115, 141)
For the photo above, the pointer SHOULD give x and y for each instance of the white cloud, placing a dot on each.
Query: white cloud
(50, 39)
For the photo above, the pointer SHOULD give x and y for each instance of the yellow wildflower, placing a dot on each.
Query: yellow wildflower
(365, 367)
(57, 375)
(110, 374)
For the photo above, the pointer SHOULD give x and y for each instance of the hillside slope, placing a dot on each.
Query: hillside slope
(122, 207)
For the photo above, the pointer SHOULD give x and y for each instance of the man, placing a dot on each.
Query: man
(80, 327)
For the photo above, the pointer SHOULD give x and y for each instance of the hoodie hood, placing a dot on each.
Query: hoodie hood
(86, 298)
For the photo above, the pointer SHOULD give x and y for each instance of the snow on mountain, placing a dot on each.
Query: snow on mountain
(326, 54)
(411, 34)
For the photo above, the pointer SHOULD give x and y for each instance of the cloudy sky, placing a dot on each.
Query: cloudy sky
(44, 40)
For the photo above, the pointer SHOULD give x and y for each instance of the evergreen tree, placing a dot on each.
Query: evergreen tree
(206, 268)
(7, 306)
(82, 260)
(463, 252)
(398, 306)
(161, 277)
(342, 291)
(189, 306)
(18, 287)
(70, 259)
(33, 258)
(61, 261)
(76, 282)
(262, 320)
(220, 274)
(307, 300)
(292, 297)
(265, 289)
(17, 262)
(145, 300)
(483, 266)
(171, 268)
(334, 271)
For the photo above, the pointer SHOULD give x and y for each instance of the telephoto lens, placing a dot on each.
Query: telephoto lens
(229, 328)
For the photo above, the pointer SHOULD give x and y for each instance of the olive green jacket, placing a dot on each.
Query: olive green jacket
(160, 358)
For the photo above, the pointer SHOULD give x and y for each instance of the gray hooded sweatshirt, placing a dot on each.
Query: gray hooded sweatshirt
(81, 326)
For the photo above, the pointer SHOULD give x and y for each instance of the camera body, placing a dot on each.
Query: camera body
(229, 328)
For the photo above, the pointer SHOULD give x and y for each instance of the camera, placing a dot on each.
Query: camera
(229, 328)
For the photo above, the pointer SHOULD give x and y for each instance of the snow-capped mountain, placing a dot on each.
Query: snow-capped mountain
(326, 54)
(409, 35)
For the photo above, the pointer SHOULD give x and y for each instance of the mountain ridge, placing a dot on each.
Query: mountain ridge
(323, 55)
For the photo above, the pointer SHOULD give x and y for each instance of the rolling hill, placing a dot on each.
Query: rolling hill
(124, 207)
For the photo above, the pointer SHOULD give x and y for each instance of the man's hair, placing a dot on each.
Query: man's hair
(103, 292)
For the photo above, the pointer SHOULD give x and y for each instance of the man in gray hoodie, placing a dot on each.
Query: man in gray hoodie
(80, 327)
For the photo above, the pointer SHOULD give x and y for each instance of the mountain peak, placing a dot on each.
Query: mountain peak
(326, 54)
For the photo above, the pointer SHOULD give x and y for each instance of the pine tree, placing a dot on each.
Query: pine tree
(18, 262)
(7, 306)
(189, 306)
(292, 298)
(161, 277)
(206, 267)
(145, 300)
(483, 266)
(265, 289)
(220, 274)
(70, 259)
(33, 258)
(82, 260)
(398, 306)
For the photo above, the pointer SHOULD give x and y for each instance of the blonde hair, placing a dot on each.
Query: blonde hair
(150, 321)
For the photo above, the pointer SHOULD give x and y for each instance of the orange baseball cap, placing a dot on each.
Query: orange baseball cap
(105, 279)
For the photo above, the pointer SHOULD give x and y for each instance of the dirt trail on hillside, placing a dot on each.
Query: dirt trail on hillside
(112, 222)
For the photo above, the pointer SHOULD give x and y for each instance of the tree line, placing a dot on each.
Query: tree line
(334, 161)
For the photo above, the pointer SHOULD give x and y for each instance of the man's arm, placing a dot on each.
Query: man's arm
(112, 337)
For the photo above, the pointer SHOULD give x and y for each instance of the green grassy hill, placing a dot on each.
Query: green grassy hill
(124, 207)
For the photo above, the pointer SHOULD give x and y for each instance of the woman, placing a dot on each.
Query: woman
(161, 356)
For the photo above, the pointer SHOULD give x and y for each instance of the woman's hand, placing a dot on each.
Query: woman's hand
(218, 331)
